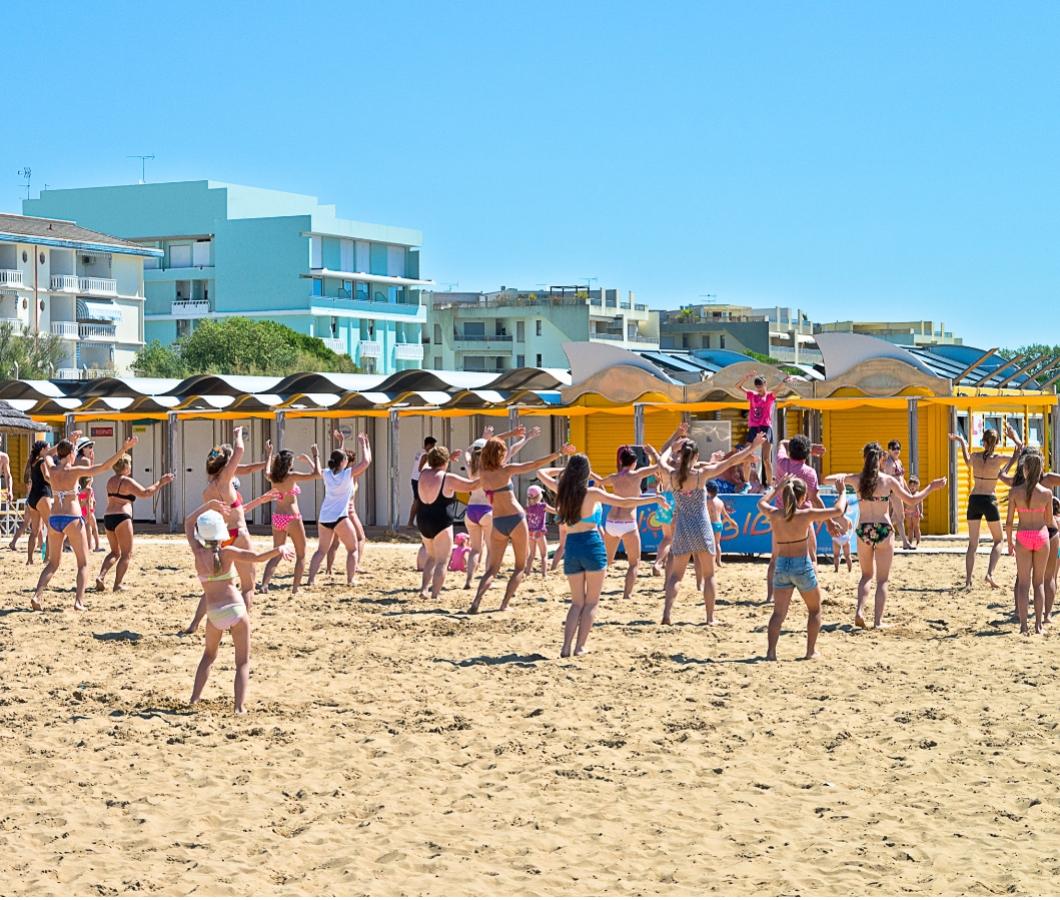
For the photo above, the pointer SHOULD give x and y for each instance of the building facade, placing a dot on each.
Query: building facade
(780, 333)
(84, 287)
(230, 250)
(920, 333)
(510, 328)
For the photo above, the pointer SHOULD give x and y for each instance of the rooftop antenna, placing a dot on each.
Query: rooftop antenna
(449, 285)
(27, 173)
(710, 298)
(143, 157)
(589, 279)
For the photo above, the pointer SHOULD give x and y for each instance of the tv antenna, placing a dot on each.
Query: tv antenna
(143, 157)
(710, 298)
(27, 173)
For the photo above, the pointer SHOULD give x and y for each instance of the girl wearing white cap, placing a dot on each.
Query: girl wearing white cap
(226, 610)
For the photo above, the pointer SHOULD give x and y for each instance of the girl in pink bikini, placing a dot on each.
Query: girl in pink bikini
(1034, 504)
(286, 516)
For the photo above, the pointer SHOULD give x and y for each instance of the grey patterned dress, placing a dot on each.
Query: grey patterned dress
(692, 529)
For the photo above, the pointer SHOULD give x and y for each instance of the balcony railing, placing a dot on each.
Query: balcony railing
(15, 323)
(335, 345)
(97, 332)
(189, 309)
(371, 348)
(10, 277)
(93, 285)
(66, 330)
(485, 338)
(64, 283)
(410, 351)
(68, 374)
(605, 336)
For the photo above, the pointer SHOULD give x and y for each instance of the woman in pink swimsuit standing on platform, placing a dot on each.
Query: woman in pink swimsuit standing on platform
(761, 403)
(286, 516)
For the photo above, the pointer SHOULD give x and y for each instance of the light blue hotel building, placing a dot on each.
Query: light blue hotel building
(230, 250)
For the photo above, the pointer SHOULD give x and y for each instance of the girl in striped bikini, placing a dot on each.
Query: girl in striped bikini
(286, 516)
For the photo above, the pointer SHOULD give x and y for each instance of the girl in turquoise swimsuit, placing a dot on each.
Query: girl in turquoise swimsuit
(874, 531)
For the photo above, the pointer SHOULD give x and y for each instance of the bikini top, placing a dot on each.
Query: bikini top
(293, 492)
(130, 497)
(501, 490)
(82, 496)
(593, 518)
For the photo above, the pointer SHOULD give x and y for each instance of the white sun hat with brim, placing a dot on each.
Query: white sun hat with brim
(211, 526)
(479, 444)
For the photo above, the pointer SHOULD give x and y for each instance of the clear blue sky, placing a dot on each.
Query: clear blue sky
(861, 160)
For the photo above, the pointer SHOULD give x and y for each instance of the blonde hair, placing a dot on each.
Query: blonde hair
(122, 463)
(792, 492)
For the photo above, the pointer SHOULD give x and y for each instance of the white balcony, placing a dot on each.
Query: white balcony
(335, 345)
(106, 333)
(10, 278)
(93, 285)
(410, 352)
(67, 374)
(16, 324)
(371, 348)
(189, 309)
(64, 283)
(66, 330)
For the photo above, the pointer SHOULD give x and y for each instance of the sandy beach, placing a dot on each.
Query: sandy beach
(394, 746)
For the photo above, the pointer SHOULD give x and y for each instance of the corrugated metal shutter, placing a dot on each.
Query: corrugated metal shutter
(604, 435)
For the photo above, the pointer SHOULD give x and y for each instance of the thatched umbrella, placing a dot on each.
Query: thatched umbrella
(12, 419)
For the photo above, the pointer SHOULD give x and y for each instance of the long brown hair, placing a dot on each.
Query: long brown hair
(792, 492)
(474, 461)
(571, 488)
(1032, 473)
(218, 458)
(688, 455)
(989, 443)
(870, 472)
(281, 466)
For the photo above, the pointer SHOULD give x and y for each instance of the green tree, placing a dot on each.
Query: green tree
(240, 346)
(1042, 371)
(156, 360)
(29, 356)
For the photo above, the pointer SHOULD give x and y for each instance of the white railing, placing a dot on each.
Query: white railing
(410, 351)
(371, 348)
(93, 285)
(10, 276)
(335, 345)
(67, 374)
(65, 330)
(64, 283)
(97, 332)
(190, 308)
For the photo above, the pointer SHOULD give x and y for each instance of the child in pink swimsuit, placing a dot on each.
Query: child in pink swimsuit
(536, 513)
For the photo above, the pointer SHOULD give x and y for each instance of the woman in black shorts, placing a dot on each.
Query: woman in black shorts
(122, 491)
(39, 498)
(986, 467)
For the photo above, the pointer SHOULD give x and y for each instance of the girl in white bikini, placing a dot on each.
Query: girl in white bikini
(286, 516)
(207, 532)
(620, 528)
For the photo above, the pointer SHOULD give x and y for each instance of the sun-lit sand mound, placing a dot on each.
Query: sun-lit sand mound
(395, 746)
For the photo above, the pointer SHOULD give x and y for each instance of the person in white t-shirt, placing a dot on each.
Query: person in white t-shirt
(419, 462)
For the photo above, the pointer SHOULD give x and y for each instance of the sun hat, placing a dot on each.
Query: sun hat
(84, 444)
(533, 491)
(210, 526)
(479, 444)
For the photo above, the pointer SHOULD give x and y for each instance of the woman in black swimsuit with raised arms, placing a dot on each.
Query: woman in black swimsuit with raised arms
(122, 491)
(875, 531)
(986, 468)
(437, 486)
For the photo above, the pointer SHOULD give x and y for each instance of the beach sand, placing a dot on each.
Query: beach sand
(395, 747)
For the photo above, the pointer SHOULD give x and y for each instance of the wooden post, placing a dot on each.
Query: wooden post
(914, 438)
(638, 424)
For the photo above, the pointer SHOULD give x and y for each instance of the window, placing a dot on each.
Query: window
(520, 331)
(318, 287)
(475, 329)
(437, 333)
(334, 326)
(361, 292)
(179, 256)
(474, 364)
(520, 361)
(538, 363)
(706, 341)
(537, 327)
(721, 341)
(316, 253)
(183, 327)
(200, 254)
(437, 362)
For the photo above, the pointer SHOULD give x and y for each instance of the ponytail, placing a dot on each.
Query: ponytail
(989, 443)
(689, 452)
(870, 472)
(792, 493)
(1032, 470)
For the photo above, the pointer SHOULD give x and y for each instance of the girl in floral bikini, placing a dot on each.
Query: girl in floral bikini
(875, 532)
(286, 516)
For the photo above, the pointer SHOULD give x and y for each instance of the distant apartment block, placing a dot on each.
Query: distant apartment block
(84, 287)
(230, 250)
(920, 333)
(510, 328)
(778, 332)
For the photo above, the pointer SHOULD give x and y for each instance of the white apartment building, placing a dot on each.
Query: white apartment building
(510, 328)
(82, 286)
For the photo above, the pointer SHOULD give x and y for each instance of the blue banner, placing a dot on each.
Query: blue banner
(751, 534)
